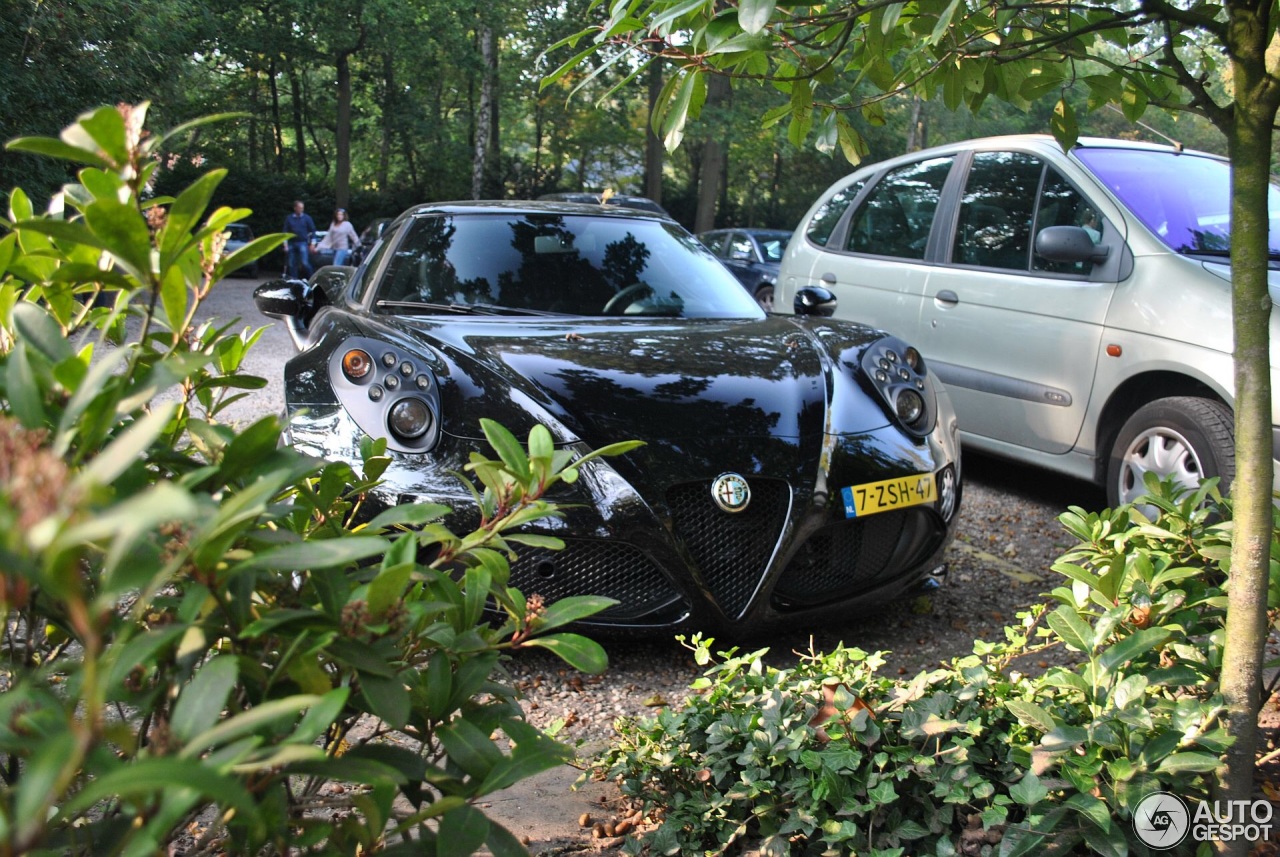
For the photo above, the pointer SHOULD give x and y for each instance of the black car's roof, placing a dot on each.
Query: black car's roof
(517, 206)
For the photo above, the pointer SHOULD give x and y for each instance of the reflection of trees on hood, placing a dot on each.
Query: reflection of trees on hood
(624, 261)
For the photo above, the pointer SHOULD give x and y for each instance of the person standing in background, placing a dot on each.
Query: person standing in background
(341, 238)
(299, 225)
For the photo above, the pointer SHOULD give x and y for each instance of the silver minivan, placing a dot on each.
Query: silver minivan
(1077, 305)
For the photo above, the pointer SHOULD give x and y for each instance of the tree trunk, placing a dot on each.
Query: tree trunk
(483, 115)
(342, 158)
(1249, 139)
(277, 132)
(917, 137)
(299, 129)
(774, 187)
(384, 155)
(654, 153)
(493, 166)
(713, 160)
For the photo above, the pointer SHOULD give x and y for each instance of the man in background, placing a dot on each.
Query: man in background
(300, 227)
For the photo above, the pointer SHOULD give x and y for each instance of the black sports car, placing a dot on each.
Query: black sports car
(792, 465)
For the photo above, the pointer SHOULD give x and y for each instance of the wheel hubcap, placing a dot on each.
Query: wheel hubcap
(1161, 451)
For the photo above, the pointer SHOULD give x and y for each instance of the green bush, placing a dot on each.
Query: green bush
(201, 640)
(976, 758)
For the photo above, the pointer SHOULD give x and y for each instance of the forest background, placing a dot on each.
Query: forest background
(377, 105)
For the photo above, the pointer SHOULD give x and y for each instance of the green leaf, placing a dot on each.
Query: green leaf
(154, 776)
(1132, 646)
(576, 650)
(753, 15)
(406, 515)
(1030, 714)
(469, 748)
(1063, 125)
(51, 148)
(572, 609)
(462, 832)
(387, 589)
(387, 697)
(1028, 790)
(125, 450)
(326, 553)
(1073, 630)
(45, 778)
(201, 702)
(248, 722)
(943, 23)
(38, 329)
(508, 448)
(185, 213)
(1178, 763)
(438, 684)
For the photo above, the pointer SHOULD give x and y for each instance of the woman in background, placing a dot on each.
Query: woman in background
(341, 238)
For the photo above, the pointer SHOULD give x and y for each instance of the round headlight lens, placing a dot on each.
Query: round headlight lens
(409, 418)
(356, 364)
(913, 359)
(910, 406)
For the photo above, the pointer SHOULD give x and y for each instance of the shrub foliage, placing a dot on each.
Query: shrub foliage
(201, 639)
(974, 758)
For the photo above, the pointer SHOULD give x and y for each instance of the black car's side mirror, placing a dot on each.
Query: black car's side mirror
(333, 280)
(1071, 244)
(280, 299)
(815, 300)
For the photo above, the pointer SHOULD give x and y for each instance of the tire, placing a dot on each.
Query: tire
(764, 296)
(1184, 437)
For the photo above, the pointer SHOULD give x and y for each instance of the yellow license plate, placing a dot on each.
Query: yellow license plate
(898, 493)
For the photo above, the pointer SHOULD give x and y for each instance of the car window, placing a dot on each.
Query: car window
(570, 264)
(1185, 199)
(714, 241)
(824, 220)
(994, 226)
(895, 218)
(1062, 205)
(740, 248)
(773, 246)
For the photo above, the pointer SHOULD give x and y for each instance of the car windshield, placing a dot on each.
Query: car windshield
(239, 232)
(1185, 199)
(567, 264)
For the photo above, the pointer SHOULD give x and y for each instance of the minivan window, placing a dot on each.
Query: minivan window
(994, 228)
(829, 213)
(1062, 205)
(895, 218)
(1185, 199)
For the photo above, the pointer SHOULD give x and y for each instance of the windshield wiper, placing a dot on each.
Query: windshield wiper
(461, 308)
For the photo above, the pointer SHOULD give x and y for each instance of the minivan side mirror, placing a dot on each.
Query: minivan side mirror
(1069, 244)
(815, 300)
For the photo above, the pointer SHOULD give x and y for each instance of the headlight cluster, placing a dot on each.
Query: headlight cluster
(388, 392)
(898, 373)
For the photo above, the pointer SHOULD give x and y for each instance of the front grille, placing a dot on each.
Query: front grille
(852, 556)
(593, 567)
(730, 549)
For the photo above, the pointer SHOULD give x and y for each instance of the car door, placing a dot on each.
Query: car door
(875, 261)
(1015, 337)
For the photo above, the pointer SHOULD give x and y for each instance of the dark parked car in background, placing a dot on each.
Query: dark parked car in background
(640, 203)
(368, 237)
(792, 465)
(753, 256)
(239, 234)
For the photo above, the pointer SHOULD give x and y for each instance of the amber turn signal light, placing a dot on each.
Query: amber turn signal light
(356, 364)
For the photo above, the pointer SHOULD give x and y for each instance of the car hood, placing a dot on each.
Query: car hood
(1223, 271)
(605, 380)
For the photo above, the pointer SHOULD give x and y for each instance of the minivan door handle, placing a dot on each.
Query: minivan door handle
(828, 278)
(946, 296)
